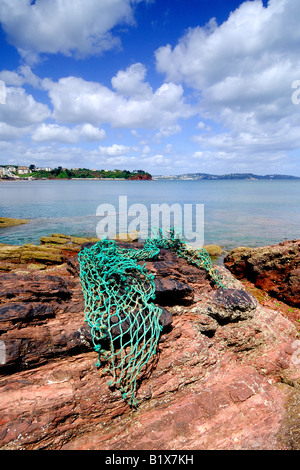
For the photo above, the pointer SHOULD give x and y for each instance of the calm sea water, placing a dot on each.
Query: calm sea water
(237, 213)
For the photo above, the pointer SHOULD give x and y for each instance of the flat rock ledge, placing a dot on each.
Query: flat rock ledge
(226, 375)
(9, 222)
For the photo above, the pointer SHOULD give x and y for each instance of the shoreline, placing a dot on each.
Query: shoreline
(214, 245)
(70, 179)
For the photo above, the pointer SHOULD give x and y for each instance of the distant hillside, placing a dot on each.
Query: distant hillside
(230, 176)
(12, 172)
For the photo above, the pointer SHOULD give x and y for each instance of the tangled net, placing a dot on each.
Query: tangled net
(119, 294)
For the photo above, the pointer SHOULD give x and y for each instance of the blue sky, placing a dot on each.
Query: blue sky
(168, 86)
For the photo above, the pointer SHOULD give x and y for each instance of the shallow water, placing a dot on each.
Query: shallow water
(236, 213)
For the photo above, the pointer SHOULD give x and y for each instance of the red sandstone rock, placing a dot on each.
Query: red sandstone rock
(213, 384)
(274, 269)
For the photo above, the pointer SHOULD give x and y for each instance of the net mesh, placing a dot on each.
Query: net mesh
(119, 304)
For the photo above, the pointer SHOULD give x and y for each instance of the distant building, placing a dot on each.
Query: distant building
(43, 169)
(9, 171)
(23, 170)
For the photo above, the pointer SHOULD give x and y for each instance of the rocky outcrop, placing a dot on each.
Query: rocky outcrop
(226, 374)
(274, 269)
(52, 251)
(9, 222)
(66, 242)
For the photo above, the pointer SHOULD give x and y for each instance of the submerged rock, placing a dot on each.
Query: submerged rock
(213, 250)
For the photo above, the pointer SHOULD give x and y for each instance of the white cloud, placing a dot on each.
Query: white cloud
(56, 133)
(167, 131)
(157, 161)
(168, 148)
(145, 151)
(75, 100)
(130, 82)
(2, 92)
(21, 109)
(65, 26)
(19, 78)
(244, 69)
(114, 150)
(251, 40)
(10, 132)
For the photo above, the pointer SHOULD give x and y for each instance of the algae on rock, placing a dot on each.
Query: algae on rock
(9, 222)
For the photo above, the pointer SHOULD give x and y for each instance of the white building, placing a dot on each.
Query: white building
(43, 169)
(9, 171)
(23, 170)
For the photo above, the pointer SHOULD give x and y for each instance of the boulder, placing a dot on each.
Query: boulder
(232, 305)
(274, 269)
(172, 292)
(213, 250)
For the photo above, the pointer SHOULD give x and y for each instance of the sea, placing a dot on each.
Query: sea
(234, 213)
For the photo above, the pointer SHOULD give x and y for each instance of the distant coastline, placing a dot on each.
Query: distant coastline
(14, 172)
(230, 176)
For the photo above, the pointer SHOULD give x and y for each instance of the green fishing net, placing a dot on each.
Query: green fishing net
(119, 304)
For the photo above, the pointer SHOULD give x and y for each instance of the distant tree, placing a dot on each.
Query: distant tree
(56, 171)
(31, 167)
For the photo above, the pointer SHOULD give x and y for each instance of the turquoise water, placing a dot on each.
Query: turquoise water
(248, 213)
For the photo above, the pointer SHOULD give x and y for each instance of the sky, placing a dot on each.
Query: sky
(166, 86)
